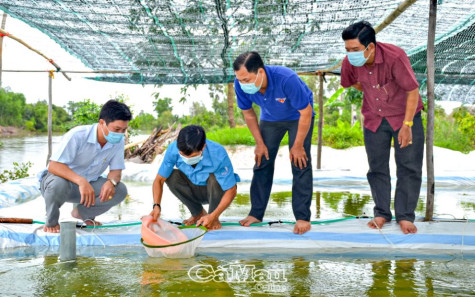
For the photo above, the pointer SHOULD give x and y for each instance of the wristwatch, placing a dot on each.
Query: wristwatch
(113, 182)
(408, 123)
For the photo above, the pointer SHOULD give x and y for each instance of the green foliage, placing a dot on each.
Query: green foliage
(162, 104)
(232, 136)
(455, 132)
(144, 121)
(341, 136)
(18, 171)
(11, 108)
(35, 117)
(84, 112)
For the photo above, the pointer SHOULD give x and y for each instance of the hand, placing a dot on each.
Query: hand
(107, 192)
(88, 197)
(156, 212)
(208, 221)
(298, 156)
(405, 136)
(259, 151)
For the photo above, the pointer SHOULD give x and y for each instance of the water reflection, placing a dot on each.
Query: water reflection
(128, 271)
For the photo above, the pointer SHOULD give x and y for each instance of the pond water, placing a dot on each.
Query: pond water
(128, 271)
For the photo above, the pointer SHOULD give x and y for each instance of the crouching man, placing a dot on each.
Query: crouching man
(203, 175)
(74, 171)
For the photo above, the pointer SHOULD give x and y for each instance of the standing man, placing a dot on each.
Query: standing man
(286, 106)
(203, 175)
(75, 169)
(392, 111)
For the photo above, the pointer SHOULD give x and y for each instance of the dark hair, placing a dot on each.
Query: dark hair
(114, 110)
(191, 139)
(361, 30)
(251, 60)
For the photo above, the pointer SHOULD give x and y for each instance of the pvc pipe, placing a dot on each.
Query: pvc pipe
(67, 245)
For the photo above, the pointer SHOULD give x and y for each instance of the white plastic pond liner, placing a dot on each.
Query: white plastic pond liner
(454, 237)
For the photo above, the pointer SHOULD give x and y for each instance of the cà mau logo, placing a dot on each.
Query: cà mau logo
(235, 273)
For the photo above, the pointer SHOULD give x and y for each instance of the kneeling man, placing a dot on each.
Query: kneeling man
(75, 169)
(203, 175)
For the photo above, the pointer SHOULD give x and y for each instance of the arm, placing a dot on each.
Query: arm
(358, 86)
(251, 121)
(157, 189)
(297, 152)
(405, 133)
(210, 219)
(85, 188)
(108, 189)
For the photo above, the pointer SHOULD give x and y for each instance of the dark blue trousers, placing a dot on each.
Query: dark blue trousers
(302, 184)
(408, 170)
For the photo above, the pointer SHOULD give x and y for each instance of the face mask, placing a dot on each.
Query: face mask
(113, 137)
(192, 160)
(250, 88)
(357, 58)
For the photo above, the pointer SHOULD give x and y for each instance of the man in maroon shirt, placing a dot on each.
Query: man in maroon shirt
(391, 110)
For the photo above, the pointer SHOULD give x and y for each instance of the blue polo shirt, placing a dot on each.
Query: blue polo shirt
(82, 153)
(285, 95)
(215, 160)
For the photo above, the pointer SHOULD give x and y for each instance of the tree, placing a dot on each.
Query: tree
(11, 108)
(84, 112)
(162, 104)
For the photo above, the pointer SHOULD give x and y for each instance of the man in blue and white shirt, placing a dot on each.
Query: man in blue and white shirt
(74, 171)
(203, 175)
(286, 105)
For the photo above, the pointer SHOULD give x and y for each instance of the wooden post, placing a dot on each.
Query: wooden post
(4, 20)
(430, 111)
(50, 116)
(320, 121)
(232, 123)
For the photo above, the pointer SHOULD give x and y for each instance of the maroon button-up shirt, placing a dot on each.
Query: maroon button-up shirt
(385, 85)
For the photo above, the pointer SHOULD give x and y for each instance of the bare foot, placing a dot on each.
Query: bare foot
(377, 223)
(248, 221)
(407, 227)
(54, 229)
(193, 220)
(215, 226)
(75, 214)
(301, 227)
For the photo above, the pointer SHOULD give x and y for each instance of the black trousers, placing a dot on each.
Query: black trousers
(302, 183)
(408, 170)
(194, 196)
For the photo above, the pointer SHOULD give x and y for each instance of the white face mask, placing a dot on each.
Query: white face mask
(192, 160)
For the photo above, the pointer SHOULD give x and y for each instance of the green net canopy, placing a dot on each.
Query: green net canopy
(196, 41)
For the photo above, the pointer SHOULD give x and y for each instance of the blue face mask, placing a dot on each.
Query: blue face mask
(113, 137)
(250, 88)
(192, 160)
(357, 58)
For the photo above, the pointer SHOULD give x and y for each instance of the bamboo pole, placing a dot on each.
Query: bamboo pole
(5, 33)
(430, 110)
(50, 116)
(4, 20)
(320, 121)
(232, 123)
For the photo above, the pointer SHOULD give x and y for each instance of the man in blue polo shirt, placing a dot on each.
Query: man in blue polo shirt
(286, 106)
(203, 175)
(74, 171)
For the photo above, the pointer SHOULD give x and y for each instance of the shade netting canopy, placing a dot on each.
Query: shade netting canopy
(196, 41)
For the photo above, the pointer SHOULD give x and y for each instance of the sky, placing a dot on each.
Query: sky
(35, 85)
